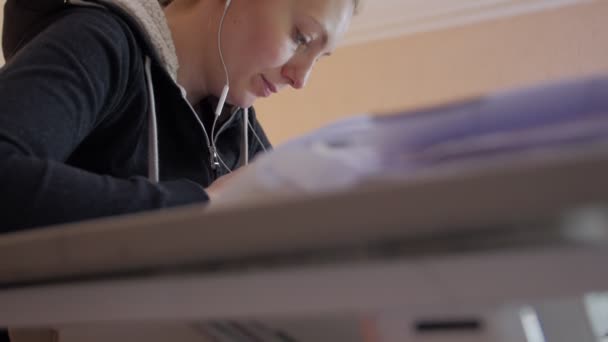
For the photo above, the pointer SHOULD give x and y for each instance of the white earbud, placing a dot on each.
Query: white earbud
(220, 104)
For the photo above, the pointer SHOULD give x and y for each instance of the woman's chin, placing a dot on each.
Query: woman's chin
(243, 101)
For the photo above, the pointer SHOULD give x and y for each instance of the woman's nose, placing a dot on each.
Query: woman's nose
(298, 75)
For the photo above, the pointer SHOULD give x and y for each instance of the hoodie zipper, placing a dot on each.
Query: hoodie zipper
(210, 140)
(219, 132)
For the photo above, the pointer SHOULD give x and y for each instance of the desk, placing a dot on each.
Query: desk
(512, 234)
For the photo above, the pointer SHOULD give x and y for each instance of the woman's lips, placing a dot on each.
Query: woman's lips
(269, 88)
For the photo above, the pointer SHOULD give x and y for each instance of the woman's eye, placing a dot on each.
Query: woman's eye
(300, 39)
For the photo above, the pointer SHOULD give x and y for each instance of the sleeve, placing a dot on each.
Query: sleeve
(53, 93)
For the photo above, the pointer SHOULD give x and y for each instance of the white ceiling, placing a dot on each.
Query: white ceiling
(381, 19)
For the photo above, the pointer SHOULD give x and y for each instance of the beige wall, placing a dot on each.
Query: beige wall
(439, 66)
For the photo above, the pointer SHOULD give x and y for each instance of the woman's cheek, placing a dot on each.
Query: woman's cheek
(273, 48)
(279, 55)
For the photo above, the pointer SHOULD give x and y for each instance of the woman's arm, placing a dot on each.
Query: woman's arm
(53, 93)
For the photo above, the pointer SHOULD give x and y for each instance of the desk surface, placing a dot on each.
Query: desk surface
(510, 200)
(467, 241)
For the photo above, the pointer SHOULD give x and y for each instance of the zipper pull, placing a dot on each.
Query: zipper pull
(214, 158)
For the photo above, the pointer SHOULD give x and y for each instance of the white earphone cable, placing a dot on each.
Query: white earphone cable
(219, 42)
(217, 159)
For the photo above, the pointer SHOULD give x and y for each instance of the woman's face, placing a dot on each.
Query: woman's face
(271, 44)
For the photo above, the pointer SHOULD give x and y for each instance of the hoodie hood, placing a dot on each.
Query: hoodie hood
(24, 19)
(152, 22)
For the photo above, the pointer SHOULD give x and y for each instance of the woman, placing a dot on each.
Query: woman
(107, 107)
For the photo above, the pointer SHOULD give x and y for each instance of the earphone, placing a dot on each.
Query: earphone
(215, 157)
(220, 105)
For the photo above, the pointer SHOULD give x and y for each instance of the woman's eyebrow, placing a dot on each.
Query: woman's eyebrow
(324, 34)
